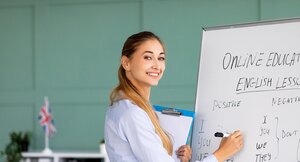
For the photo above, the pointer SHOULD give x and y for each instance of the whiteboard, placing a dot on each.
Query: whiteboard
(249, 80)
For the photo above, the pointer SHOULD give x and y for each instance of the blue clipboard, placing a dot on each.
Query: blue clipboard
(177, 123)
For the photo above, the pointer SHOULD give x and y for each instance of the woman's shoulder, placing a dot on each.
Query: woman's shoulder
(126, 107)
(126, 116)
(124, 104)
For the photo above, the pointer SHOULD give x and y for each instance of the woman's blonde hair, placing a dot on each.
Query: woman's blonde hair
(130, 92)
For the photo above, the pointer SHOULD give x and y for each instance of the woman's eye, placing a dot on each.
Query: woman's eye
(161, 58)
(147, 58)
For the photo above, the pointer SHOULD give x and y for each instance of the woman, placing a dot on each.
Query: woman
(132, 129)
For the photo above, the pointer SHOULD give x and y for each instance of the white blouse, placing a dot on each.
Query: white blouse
(130, 136)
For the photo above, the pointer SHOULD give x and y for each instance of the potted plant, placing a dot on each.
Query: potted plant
(19, 142)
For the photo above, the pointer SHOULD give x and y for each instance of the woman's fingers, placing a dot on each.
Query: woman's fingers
(238, 139)
(184, 153)
(230, 145)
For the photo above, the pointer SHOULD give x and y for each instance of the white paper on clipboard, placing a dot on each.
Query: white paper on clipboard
(177, 123)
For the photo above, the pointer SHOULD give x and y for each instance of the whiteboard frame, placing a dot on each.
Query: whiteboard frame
(240, 25)
(249, 24)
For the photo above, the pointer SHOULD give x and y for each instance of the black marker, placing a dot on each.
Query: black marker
(220, 134)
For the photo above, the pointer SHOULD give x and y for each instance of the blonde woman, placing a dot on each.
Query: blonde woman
(132, 129)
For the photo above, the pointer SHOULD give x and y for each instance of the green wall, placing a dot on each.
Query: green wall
(69, 50)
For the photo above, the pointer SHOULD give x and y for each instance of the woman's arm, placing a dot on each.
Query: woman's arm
(140, 134)
(228, 147)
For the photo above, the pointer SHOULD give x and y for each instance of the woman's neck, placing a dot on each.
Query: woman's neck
(144, 92)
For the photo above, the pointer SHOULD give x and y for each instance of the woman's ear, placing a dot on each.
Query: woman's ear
(125, 63)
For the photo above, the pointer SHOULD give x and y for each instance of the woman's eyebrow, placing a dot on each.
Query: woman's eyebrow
(148, 52)
(162, 53)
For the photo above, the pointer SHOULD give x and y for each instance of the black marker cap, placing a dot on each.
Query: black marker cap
(219, 134)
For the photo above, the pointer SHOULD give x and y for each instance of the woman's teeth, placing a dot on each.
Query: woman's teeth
(153, 74)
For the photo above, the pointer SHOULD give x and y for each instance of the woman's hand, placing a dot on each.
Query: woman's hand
(184, 153)
(229, 146)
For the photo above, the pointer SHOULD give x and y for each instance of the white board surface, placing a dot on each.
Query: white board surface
(249, 80)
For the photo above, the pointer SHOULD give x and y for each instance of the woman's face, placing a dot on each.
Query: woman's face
(146, 66)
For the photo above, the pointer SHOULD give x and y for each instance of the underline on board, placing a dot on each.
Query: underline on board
(265, 90)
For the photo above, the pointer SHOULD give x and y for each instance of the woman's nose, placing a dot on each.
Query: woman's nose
(156, 64)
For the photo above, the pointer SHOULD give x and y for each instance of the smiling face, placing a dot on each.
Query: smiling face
(147, 64)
